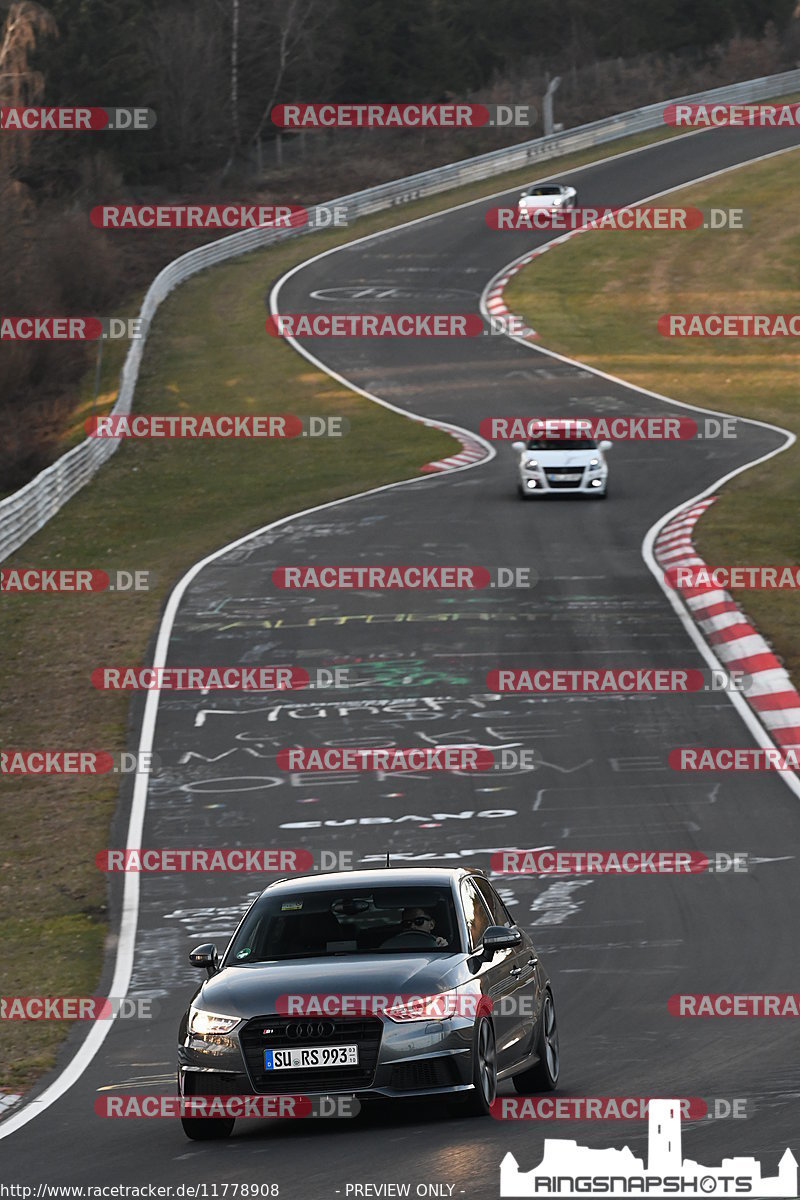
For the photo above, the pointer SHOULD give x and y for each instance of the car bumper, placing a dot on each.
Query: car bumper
(540, 485)
(414, 1059)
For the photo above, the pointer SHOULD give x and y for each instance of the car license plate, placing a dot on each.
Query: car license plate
(310, 1056)
(567, 478)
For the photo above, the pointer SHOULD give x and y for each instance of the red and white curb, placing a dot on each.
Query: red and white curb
(736, 643)
(496, 305)
(471, 452)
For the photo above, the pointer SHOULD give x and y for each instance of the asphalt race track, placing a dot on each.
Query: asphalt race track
(616, 948)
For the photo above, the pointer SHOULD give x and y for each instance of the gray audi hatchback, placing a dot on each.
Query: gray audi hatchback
(388, 983)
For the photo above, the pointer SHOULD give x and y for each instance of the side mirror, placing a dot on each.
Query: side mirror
(205, 957)
(500, 937)
(518, 446)
(604, 445)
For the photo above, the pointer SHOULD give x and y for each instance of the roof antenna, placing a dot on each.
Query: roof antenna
(387, 859)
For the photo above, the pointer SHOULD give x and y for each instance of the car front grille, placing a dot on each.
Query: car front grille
(555, 477)
(366, 1034)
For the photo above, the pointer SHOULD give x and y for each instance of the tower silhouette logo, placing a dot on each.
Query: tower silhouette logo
(569, 1170)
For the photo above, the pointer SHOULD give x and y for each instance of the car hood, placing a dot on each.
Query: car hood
(561, 458)
(253, 990)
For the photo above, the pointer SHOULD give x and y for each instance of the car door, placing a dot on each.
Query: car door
(525, 996)
(495, 976)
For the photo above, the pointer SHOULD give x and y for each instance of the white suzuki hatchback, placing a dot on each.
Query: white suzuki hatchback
(562, 464)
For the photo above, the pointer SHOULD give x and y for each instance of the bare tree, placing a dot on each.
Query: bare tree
(187, 67)
(20, 85)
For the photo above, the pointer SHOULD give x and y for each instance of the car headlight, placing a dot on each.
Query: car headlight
(531, 465)
(594, 462)
(440, 1007)
(208, 1022)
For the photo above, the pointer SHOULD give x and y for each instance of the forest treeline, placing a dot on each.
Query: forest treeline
(213, 69)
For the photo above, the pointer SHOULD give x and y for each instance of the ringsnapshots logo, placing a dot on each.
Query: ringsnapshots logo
(567, 1169)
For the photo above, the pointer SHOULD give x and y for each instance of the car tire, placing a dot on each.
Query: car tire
(484, 1071)
(208, 1129)
(543, 1077)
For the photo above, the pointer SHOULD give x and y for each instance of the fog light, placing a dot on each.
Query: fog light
(596, 483)
(531, 483)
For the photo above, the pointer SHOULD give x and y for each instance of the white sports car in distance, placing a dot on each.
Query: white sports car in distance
(562, 464)
(547, 196)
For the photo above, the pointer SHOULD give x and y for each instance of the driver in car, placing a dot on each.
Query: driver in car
(417, 918)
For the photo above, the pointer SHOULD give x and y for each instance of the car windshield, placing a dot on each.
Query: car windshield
(321, 923)
(549, 190)
(562, 443)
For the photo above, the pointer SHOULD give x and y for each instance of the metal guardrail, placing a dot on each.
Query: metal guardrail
(26, 511)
